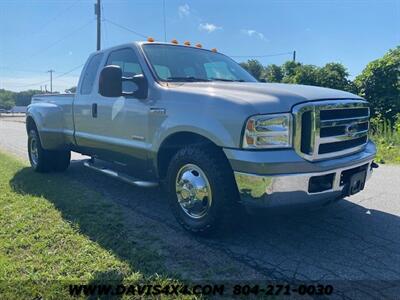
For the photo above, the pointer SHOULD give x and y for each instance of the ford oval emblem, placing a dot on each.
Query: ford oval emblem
(351, 129)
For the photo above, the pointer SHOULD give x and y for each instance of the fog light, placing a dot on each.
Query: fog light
(321, 183)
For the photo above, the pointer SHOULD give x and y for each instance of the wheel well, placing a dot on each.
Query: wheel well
(30, 124)
(174, 143)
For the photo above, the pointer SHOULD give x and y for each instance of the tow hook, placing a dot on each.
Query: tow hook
(374, 165)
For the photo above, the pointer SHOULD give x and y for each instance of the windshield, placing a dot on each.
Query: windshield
(182, 63)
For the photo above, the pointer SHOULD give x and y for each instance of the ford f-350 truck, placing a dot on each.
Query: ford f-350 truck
(193, 119)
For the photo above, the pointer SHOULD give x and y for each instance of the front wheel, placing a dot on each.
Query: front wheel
(201, 189)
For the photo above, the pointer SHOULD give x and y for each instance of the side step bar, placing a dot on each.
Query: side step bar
(147, 184)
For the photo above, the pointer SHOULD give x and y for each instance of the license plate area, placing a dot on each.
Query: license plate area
(353, 180)
(356, 183)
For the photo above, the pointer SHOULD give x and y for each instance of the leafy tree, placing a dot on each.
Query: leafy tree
(351, 87)
(333, 75)
(303, 74)
(24, 98)
(379, 83)
(7, 99)
(273, 73)
(254, 67)
(289, 69)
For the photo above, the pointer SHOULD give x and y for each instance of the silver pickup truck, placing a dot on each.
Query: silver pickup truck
(194, 120)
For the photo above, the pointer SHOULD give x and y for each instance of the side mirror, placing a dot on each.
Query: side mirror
(110, 81)
(137, 85)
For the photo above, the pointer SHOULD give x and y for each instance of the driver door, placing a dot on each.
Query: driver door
(124, 119)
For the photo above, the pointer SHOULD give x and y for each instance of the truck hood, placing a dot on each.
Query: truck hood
(263, 97)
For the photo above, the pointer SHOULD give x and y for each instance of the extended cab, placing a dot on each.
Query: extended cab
(195, 120)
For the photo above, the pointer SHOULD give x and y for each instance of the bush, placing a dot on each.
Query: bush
(379, 83)
(386, 135)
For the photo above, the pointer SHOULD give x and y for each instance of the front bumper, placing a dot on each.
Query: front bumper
(269, 189)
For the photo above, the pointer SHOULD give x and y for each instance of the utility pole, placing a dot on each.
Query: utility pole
(97, 12)
(294, 56)
(165, 22)
(51, 80)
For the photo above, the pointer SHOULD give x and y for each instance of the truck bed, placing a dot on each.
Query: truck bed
(54, 118)
(52, 98)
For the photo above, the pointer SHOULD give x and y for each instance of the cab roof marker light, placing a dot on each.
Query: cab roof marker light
(150, 40)
(199, 46)
(214, 50)
(186, 43)
(174, 42)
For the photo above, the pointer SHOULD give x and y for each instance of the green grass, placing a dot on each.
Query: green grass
(387, 139)
(55, 231)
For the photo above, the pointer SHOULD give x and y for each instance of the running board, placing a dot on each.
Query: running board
(123, 177)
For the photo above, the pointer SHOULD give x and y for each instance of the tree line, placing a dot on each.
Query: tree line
(9, 99)
(379, 82)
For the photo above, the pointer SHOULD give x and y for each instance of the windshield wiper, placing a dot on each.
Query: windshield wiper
(186, 79)
(227, 80)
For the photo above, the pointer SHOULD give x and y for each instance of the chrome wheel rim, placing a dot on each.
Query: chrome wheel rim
(34, 151)
(193, 191)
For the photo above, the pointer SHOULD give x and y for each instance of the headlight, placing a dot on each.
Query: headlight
(268, 131)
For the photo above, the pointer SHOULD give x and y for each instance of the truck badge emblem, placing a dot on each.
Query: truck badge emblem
(351, 129)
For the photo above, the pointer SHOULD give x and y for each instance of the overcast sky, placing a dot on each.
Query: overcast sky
(38, 35)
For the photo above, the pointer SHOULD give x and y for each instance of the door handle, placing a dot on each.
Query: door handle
(158, 111)
(94, 110)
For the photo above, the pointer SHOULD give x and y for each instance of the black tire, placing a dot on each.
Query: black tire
(42, 160)
(216, 169)
(61, 160)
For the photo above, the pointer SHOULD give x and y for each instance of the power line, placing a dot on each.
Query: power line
(66, 36)
(46, 81)
(261, 56)
(62, 39)
(32, 84)
(38, 71)
(50, 46)
(126, 28)
(59, 40)
(21, 70)
(56, 16)
(165, 22)
(46, 24)
(70, 71)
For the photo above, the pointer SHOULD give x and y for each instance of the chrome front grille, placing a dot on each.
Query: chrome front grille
(326, 129)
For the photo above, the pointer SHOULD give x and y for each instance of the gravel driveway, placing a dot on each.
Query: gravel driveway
(356, 238)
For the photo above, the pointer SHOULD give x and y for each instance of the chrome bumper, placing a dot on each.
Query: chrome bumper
(289, 189)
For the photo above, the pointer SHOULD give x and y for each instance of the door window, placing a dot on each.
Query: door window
(90, 74)
(127, 60)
